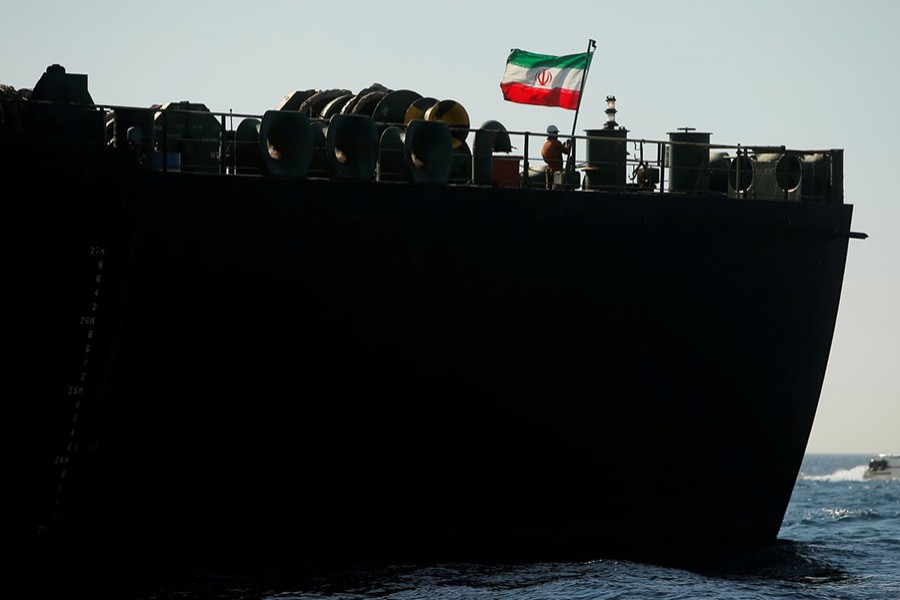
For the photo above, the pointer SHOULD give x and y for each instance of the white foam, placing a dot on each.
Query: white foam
(852, 474)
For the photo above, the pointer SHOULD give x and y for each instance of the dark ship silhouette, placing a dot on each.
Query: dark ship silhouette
(335, 337)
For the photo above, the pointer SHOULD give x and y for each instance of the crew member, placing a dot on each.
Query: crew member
(552, 152)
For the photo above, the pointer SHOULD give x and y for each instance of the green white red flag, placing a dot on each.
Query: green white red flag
(545, 79)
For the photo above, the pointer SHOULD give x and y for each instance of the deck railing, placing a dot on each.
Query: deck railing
(188, 137)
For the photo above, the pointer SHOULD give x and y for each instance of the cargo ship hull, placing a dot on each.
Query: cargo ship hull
(335, 372)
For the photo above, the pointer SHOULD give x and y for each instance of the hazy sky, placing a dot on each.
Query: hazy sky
(808, 74)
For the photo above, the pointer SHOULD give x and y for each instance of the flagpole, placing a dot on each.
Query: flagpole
(570, 162)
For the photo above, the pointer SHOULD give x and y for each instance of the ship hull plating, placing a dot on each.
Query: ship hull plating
(337, 372)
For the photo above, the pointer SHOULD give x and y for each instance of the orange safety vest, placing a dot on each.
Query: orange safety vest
(552, 153)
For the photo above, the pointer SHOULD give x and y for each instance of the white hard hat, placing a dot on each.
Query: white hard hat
(552, 129)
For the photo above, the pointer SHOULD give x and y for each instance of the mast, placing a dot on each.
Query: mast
(570, 161)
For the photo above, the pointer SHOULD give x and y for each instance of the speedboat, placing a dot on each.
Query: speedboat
(883, 466)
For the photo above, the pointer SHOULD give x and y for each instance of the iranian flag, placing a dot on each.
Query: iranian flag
(544, 79)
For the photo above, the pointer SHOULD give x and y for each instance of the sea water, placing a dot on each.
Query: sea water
(840, 539)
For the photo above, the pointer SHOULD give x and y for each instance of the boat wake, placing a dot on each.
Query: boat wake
(852, 474)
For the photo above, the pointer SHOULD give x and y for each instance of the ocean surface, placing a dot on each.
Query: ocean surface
(840, 540)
